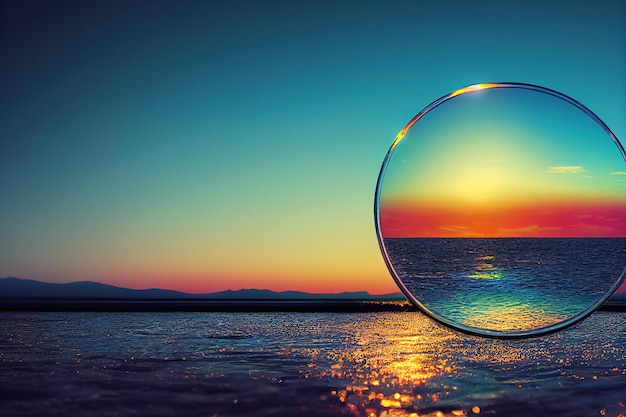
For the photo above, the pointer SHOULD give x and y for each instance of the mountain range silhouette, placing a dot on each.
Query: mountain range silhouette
(13, 287)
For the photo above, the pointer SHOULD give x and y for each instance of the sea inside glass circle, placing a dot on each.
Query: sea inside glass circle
(500, 210)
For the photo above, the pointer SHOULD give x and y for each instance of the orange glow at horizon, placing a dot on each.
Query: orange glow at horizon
(375, 281)
(532, 220)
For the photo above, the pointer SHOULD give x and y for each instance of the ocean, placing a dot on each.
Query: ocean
(507, 285)
(383, 363)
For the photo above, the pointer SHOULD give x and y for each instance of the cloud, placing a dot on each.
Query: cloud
(591, 229)
(567, 169)
(533, 228)
(582, 228)
(453, 228)
(618, 173)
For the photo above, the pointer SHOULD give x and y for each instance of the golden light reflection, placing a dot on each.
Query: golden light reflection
(404, 364)
(391, 370)
(474, 87)
(508, 318)
(485, 271)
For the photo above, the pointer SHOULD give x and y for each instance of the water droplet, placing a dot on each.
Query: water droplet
(501, 210)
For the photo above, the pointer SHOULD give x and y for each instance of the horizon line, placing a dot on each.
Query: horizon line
(201, 293)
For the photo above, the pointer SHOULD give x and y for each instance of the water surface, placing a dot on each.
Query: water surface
(307, 364)
(507, 284)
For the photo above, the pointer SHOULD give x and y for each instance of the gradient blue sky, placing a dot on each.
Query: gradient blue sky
(202, 146)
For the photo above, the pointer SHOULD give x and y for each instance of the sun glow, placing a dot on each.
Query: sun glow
(505, 163)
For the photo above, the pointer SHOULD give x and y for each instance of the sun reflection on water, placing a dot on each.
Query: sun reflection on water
(496, 302)
(391, 374)
(485, 269)
(404, 364)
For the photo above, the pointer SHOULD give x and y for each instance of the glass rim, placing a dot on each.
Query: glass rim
(498, 334)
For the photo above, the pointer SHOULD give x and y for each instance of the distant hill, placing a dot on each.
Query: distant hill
(27, 288)
(18, 288)
(12, 287)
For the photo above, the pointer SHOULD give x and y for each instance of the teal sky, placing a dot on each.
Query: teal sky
(518, 136)
(201, 146)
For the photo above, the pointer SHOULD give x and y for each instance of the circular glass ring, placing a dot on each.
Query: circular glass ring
(500, 210)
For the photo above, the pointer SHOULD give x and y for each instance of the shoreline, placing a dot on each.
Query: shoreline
(230, 305)
(226, 306)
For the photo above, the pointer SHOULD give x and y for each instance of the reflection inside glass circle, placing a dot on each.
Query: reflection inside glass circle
(501, 210)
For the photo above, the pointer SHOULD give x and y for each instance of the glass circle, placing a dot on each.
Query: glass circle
(500, 210)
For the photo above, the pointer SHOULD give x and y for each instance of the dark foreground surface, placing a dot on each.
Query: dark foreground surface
(385, 363)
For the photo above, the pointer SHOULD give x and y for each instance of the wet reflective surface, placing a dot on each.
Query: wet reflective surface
(309, 364)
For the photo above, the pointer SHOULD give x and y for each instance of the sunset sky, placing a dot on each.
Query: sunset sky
(202, 146)
(504, 161)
